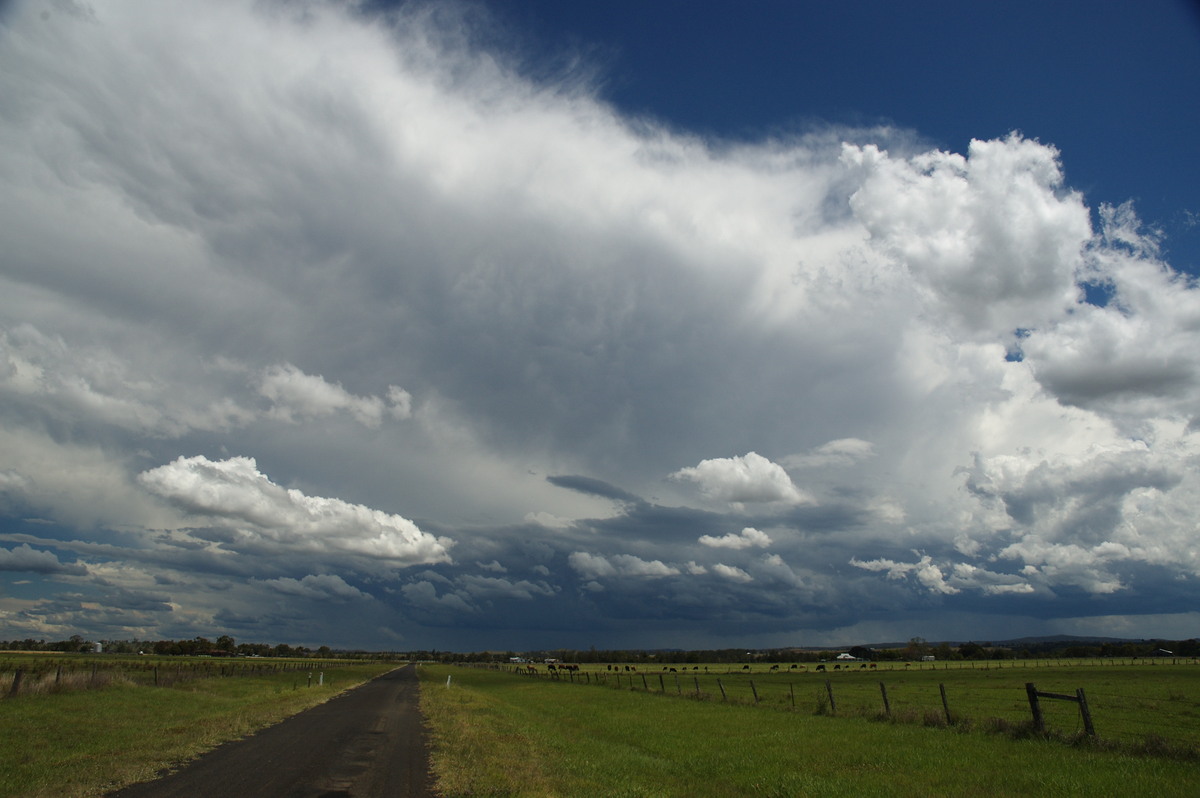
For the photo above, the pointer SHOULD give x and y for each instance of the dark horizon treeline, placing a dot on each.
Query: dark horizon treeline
(915, 649)
(223, 646)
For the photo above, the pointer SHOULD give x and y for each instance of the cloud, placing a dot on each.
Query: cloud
(27, 558)
(295, 395)
(317, 586)
(745, 539)
(223, 262)
(732, 573)
(748, 479)
(595, 566)
(842, 452)
(267, 515)
(991, 237)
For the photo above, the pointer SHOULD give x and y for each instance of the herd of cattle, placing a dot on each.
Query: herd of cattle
(553, 667)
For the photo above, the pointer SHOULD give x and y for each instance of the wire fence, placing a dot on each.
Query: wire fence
(1140, 705)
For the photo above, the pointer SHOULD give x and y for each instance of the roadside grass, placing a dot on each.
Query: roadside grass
(88, 742)
(498, 734)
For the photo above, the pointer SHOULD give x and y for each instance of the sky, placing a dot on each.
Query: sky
(521, 325)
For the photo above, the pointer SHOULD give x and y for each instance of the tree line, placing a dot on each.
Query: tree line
(223, 646)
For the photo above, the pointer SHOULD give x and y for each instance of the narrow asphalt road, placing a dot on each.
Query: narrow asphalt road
(369, 742)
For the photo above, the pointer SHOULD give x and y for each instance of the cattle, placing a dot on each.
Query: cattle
(872, 666)
(745, 667)
(820, 667)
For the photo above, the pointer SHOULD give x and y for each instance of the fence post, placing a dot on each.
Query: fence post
(945, 704)
(1085, 713)
(645, 686)
(832, 703)
(16, 685)
(678, 689)
(887, 707)
(792, 693)
(723, 696)
(1038, 722)
(696, 679)
(661, 687)
(754, 690)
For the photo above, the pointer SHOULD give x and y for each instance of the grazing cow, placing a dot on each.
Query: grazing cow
(745, 667)
(774, 667)
(793, 667)
(531, 669)
(862, 667)
(837, 667)
(872, 666)
(820, 667)
(674, 671)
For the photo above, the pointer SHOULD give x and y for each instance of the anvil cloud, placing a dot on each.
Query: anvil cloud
(327, 327)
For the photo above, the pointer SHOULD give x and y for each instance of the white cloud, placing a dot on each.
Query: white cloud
(745, 539)
(991, 237)
(596, 566)
(317, 586)
(732, 573)
(296, 396)
(751, 478)
(264, 514)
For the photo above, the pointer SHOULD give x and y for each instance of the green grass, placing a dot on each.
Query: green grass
(497, 734)
(87, 742)
(1137, 705)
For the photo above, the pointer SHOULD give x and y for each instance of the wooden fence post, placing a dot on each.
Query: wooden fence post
(945, 704)
(661, 687)
(723, 696)
(887, 707)
(18, 677)
(832, 703)
(696, 679)
(1038, 722)
(1085, 713)
(792, 693)
(753, 690)
(645, 686)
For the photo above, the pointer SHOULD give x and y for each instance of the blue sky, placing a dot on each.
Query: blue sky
(1109, 84)
(511, 326)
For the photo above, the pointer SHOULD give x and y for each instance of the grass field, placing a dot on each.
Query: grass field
(525, 736)
(62, 739)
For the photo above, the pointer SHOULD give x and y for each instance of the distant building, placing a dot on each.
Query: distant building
(928, 658)
(97, 648)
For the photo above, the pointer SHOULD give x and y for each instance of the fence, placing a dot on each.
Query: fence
(1148, 708)
(38, 675)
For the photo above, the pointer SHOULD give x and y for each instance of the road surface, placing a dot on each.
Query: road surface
(368, 742)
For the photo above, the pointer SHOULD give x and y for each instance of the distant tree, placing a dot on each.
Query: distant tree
(226, 643)
(916, 648)
(861, 652)
(972, 651)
